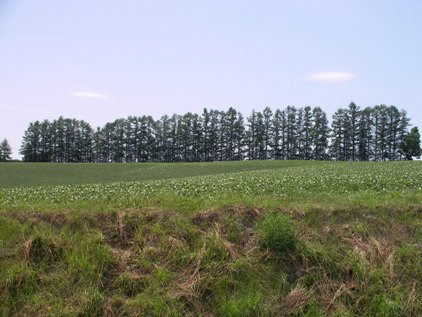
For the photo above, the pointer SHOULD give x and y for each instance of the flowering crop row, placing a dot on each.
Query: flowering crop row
(330, 178)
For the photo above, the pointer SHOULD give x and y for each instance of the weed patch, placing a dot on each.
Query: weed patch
(276, 233)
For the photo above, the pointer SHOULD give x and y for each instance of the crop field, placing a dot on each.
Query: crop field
(367, 183)
(47, 174)
(261, 238)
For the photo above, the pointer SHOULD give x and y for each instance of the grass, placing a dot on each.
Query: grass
(277, 233)
(313, 239)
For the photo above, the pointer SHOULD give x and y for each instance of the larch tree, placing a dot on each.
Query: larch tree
(5, 151)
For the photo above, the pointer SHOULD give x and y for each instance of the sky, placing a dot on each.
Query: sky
(100, 60)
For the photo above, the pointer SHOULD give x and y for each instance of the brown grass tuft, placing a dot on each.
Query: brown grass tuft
(205, 218)
(376, 253)
(189, 282)
(295, 301)
(411, 300)
(247, 214)
(39, 249)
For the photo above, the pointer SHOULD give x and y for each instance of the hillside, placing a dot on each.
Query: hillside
(226, 239)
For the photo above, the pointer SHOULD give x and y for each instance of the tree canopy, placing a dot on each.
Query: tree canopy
(411, 145)
(5, 151)
(295, 133)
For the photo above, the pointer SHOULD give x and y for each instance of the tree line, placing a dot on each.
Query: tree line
(371, 134)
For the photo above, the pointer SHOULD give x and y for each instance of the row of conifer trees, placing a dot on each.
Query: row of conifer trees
(355, 134)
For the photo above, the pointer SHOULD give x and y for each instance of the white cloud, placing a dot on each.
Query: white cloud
(332, 77)
(89, 94)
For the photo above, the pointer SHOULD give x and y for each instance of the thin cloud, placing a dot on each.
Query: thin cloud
(332, 77)
(89, 94)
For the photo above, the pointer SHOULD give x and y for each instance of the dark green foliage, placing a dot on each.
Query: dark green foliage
(369, 134)
(294, 134)
(411, 144)
(319, 134)
(62, 140)
(5, 151)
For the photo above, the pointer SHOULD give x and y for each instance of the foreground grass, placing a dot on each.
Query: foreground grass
(339, 239)
(234, 261)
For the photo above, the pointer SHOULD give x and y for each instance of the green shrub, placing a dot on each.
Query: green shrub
(276, 233)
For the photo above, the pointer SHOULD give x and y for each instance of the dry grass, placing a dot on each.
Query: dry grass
(376, 253)
(295, 301)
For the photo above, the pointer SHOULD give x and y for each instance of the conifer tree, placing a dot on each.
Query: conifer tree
(293, 133)
(353, 124)
(5, 151)
(365, 148)
(278, 134)
(320, 134)
(306, 134)
(268, 130)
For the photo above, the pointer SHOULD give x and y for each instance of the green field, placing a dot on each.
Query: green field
(46, 174)
(258, 238)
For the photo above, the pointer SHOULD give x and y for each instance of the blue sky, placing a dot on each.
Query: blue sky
(100, 60)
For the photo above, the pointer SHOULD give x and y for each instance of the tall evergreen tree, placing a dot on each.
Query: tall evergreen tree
(380, 120)
(251, 136)
(402, 132)
(291, 132)
(338, 147)
(206, 135)
(164, 139)
(393, 133)
(320, 134)
(365, 148)
(278, 134)
(31, 142)
(5, 151)
(306, 134)
(353, 124)
(229, 132)
(268, 137)
(239, 138)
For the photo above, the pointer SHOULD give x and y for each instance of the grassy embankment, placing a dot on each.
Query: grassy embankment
(224, 239)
